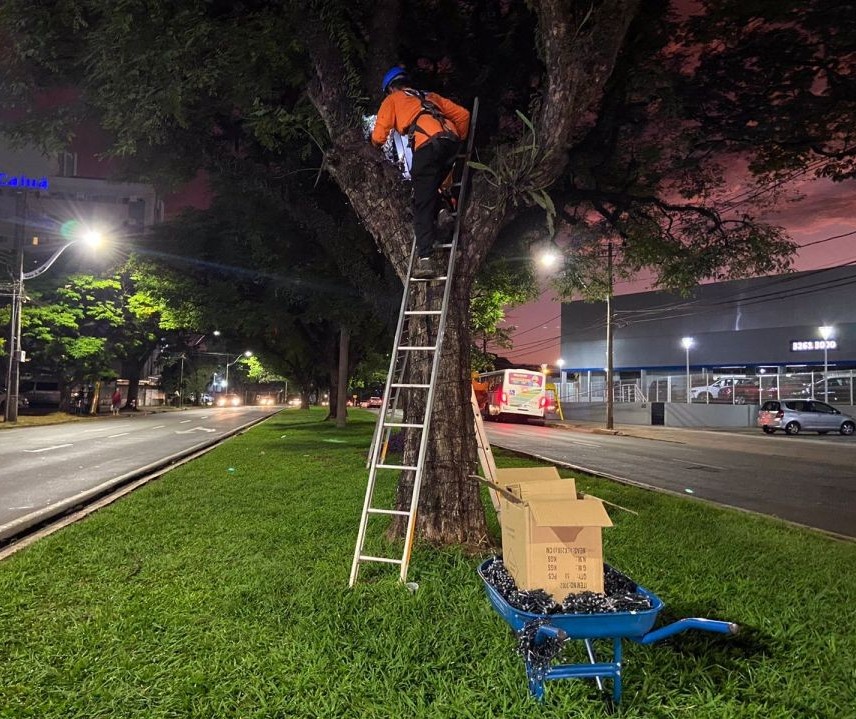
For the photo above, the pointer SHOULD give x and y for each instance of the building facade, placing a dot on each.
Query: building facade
(760, 325)
(44, 201)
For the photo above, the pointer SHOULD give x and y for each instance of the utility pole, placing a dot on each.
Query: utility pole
(181, 383)
(10, 413)
(609, 337)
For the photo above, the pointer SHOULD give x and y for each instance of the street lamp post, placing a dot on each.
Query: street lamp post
(181, 383)
(16, 355)
(229, 364)
(686, 343)
(827, 333)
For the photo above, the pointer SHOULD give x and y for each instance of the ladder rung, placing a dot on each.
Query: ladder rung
(441, 278)
(396, 466)
(423, 312)
(403, 424)
(411, 386)
(413, 348)
(400, 512)
(444, 246)
(387, 560)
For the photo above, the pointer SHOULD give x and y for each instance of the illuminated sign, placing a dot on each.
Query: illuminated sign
(23, 181)
(805, 345)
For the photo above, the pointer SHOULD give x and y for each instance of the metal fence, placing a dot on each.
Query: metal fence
(837, 387)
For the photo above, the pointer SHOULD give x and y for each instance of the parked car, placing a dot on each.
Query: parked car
(705, 393)
(753, 393)
(795, 415)
(840, 390)
(375, 401)
(40, 392)
(228, 400)
(23, 403)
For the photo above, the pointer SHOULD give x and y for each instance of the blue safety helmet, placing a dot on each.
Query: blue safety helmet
(391, 74)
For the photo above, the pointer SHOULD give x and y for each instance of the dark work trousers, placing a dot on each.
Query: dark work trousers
(431, 163)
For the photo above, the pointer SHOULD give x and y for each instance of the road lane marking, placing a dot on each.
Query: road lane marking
(158, 426)
(121, 434)
(48, 449)
(583, 444)
(185, 421)
(105, 428)
(699, 464)
(195, 429)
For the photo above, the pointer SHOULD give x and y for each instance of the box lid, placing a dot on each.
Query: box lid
(517, 475)
(559, 488)
(555, 512)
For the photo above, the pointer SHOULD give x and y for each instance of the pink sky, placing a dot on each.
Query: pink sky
(826, 210)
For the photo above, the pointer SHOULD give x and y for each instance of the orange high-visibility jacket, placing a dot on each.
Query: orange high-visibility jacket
(398, 110)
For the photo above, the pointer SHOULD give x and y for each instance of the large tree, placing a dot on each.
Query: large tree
(586, 112)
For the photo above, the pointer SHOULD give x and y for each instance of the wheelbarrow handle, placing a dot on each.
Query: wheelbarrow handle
(547, 631)
(682, 625)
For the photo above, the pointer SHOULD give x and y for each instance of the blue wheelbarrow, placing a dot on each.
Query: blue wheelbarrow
(635, 626)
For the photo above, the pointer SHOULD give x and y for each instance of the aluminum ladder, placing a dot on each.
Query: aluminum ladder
(388, 418)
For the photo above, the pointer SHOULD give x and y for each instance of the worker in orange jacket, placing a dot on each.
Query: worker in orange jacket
(435, 127)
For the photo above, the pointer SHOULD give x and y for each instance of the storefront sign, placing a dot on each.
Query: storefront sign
(23, 181)
(806, 345)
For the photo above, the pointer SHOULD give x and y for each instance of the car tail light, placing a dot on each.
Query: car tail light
(503, 397)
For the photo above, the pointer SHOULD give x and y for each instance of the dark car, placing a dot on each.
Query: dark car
(41, 392)
(228, 400)
(837, 389)
(796, 415)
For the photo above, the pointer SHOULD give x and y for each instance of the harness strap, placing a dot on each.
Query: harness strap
(428, 108)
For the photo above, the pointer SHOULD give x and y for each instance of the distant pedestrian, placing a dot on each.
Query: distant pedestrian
(115, 401)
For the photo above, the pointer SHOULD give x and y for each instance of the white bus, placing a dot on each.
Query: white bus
(511, 394)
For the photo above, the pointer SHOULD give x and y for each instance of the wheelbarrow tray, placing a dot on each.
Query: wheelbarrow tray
(615, 626)
(579, 626)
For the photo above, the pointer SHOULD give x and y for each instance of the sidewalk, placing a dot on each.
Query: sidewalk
(672, 434)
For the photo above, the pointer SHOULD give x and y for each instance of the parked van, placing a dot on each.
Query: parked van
(41, 392)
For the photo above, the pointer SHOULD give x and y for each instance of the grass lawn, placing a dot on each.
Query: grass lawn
(220, 590)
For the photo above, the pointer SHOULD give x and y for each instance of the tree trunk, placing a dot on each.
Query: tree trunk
(131, 370)
(450, 508)
(341, 386)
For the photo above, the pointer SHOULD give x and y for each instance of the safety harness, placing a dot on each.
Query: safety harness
(428, 108)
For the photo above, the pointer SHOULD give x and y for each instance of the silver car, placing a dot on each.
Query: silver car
(796, 415)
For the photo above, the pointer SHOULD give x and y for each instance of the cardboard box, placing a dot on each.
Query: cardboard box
(550, 539)
(508, 477)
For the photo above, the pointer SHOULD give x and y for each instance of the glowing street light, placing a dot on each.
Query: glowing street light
(827, 333)
(90, 237)
(686, 343)
(247, 353)
(548, 258)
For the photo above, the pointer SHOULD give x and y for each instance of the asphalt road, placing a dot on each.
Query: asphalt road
(46, 466)
(809, 480)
